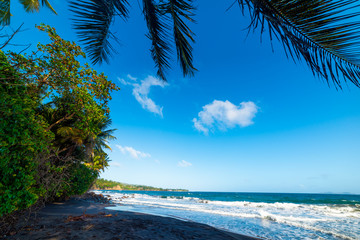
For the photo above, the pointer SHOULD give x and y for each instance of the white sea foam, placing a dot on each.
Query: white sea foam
(255, 218)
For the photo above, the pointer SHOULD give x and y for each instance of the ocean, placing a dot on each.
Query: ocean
(265, 215)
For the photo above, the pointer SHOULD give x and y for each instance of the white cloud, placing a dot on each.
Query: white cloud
(123, 82)
(198, 125)
(141, 91)
(184, 163)
(157, 161)
(115, 164)
(131, 77)
(132, 152)
(224, 115)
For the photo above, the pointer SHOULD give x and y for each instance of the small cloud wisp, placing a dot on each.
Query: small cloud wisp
(184, 163)
(141, 92)
(132, 152)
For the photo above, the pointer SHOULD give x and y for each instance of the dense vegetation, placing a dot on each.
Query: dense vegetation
(108, 184)
(54, 115)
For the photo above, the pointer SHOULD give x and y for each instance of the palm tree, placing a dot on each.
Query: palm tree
(71, 138)
(93, 19)
(323, 33)
(98, 142)
(102, 139)
(72, 141)
(95, 145)
(29, 6)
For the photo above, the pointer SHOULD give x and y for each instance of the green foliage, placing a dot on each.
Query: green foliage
(80, 180)
(54, 124)
(22, 138)
(109, 184)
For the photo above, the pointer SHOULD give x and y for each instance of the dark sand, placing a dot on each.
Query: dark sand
(66, 220)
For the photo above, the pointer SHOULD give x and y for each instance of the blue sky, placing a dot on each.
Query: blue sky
(249, 121)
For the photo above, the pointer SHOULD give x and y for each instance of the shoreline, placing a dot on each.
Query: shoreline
(86, 219)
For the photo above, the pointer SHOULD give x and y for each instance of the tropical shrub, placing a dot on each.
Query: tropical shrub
(22, 138)
(52, 132)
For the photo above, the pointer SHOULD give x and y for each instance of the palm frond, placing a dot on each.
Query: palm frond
(102, 139)
(105, 123)
(5, 12)
(106, 135)
(47, 4)
(34, 5)
(121, 6)
(324, 33)
(180, 11)
(92, 22)
(70, 134)
(101, 145)
(158, 35)
(30, 5)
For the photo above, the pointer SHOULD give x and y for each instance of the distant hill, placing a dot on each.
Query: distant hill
(103, 184)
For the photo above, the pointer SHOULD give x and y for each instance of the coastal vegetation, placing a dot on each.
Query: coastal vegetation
(103, 184)
(54, 119)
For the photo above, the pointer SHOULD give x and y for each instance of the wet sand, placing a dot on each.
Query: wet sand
(83, 219)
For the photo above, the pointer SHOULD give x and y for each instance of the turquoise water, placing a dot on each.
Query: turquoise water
(265, 215)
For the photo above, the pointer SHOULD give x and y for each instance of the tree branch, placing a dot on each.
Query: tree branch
(60, 120)
(11, 37)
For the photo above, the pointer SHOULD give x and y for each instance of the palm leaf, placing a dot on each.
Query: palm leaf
(30, 5)
(324, 33)
(47, 4)
(105, 123)
(101, 145)
(5, 12)
(92, 22)
(180, 11)
(104, 136)
(70, 134)
(34, 5)
(158, 36)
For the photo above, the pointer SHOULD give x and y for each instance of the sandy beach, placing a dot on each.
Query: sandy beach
(85, 219)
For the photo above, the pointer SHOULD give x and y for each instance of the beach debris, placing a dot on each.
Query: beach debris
(88, 227)
(84, 216)
(94, 197)
(78, 218)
